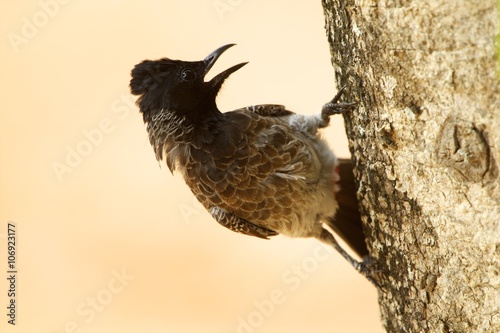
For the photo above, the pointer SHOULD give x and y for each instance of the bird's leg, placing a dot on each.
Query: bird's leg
(362, 267)
(334, 107)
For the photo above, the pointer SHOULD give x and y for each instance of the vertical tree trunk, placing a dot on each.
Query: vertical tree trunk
(425, 140)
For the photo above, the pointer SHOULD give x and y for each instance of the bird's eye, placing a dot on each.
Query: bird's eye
(188, 75)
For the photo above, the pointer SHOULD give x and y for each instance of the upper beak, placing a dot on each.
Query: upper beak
(212, 58)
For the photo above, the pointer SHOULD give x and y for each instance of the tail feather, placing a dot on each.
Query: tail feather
(347, 221)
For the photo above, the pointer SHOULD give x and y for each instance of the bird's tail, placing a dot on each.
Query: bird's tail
(347, 220)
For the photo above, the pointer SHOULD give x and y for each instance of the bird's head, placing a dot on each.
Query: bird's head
(178, 86)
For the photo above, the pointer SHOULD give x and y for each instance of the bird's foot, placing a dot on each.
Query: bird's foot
(369, 269)
(334, 107)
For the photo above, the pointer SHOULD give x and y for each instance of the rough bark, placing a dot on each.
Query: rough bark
(425, 140)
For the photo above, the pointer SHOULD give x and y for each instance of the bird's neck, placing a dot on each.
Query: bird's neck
(166, 125)
(168, 128)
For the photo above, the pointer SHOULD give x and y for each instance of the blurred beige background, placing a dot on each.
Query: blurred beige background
(107, 240)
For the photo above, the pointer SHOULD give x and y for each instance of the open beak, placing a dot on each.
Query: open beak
(210, 61)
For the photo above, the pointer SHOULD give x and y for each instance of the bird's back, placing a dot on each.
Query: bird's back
(267, 169)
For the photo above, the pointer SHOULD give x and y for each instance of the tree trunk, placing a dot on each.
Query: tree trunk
(425, 141)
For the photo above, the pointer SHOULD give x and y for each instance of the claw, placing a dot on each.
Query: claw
(368, 268)
(338, 95)
(334, 107)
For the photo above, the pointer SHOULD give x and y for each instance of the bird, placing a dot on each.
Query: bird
(260, 170)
